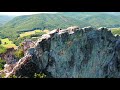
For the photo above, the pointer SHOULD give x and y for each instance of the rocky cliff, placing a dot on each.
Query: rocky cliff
(73, 53)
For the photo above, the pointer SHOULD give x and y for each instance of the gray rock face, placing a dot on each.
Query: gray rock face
(86, 53)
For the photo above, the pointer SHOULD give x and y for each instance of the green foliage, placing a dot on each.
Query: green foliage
(2, 63)
(19, 53)
(0, 42)
(42, 21)
(2, 49)
(4, 19)
(14, 27)
(40, 75)
(2, 75)
(37, 34)
(32, 37)
(7, 43)
(116, 31)
(103, 20)
(12, 76)
(20, 40)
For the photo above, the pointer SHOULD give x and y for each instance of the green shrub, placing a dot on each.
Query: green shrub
(2, 63)
(12, 76)
(2, 75)
(0, 42)
(37, 34)
(40, 75)
(19, 53)
(116, 31)
(2, 49)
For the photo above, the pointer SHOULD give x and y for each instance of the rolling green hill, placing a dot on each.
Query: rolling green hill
(96, 19)
(4, 19)
(103, 20)
(41, 21)
(87, 14)
(48, 21)
(58, 20)
(79, 15)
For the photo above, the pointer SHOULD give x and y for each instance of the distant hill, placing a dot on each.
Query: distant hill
(4, 19)
(96, 19)
(59, 20)
(41, 21)
(103, 20)
(79, 15)
(87, 14)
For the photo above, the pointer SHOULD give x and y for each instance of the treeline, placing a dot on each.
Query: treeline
(22, 31)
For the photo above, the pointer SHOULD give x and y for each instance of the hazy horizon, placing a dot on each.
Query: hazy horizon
(23, 13)
(31, 13)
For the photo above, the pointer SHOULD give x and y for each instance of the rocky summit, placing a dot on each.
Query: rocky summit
(73, 53)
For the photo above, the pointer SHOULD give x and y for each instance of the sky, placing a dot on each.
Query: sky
(30, 13)
(22, 13)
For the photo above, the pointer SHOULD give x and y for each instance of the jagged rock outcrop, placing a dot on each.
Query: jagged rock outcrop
(76, 53)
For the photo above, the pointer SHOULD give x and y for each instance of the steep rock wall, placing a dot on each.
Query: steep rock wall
(76, 53)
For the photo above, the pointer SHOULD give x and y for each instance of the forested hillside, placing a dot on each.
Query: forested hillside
(18, 24)
(4, 19)
(41, 21)
(103, 20)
